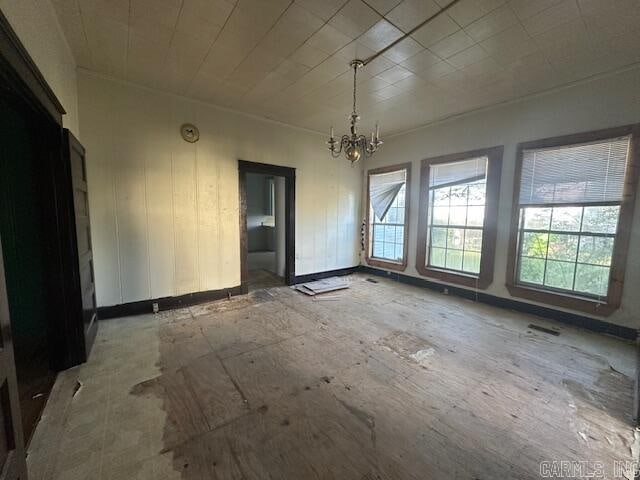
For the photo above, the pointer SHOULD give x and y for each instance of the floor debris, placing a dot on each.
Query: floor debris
(322, 286)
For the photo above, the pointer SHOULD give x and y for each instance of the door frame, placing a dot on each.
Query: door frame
(289, 175)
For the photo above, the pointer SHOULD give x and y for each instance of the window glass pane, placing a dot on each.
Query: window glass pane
(399, 251)
(559, 274)
(563, 247)
(596, 250)
(600, 219)
(534, 244)
(399, 235)
(387, 238)
(456, 206)
(566, 219)
(389, 234)
(477, 193)
(454, 259)
(459, 195)
(455, 238)
(437, 257)
(392, 215)
(592, 279)
(378, 249)
(473, 240)
(389, 251)
(457, 215)
(475, 216)
(537, 218)
(440, 215)
(439, 237)
(471, 262)
(531, 270)
(441, 196)
(378, 233)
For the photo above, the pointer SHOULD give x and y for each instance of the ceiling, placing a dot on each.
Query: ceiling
(288, 60)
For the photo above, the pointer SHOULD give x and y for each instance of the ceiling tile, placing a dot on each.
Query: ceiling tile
(71, 22)
(354, 18)
(528, 8)
(452, 44)
(291, 70)
(329, 39)
(309, 56)
(383, 6)
(381, 35)
(212, 12)
(436, 70)
(558, 14)
(377, 65)
(468, 57)
(355, 50)
(491, 24)
(422, 60)
(437, 29)
(325, 9)
(394, 74)
(468, 11)
(160, 12)
(114, 10)
(277, 58)
(403, 50)
(410, 13)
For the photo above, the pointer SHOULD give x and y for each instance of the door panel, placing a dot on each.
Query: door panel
(83, 238)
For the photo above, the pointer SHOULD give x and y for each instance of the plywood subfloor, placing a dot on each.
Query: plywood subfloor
(385, 381)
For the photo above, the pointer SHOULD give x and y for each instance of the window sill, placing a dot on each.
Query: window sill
(458, 278)
(572, 302)
(389, 264)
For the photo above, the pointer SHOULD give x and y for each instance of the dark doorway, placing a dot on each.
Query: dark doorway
(24, 241)
(267, 224)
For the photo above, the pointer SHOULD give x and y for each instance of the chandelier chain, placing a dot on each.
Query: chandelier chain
(355, 72)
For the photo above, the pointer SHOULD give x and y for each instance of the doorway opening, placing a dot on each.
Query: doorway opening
(267, 206)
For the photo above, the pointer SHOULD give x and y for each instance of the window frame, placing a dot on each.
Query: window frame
(380, 262)
(489, 227)
(612, 301)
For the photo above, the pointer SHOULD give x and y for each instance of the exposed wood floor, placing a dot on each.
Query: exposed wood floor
(261, 278)
(386, 382)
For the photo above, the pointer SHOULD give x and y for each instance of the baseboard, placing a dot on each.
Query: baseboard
(168, 303)
(311, 277)
(574, 319)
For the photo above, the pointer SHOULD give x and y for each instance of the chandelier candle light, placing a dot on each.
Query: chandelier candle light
(354, 145)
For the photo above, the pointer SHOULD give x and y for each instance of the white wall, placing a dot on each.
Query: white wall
(165, 214)
(36, 24)
(601, 103)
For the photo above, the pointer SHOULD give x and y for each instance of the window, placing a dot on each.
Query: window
(573, 209)
(458, 209)
(387, 216)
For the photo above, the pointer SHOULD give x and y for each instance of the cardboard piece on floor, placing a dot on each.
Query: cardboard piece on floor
(322, 286)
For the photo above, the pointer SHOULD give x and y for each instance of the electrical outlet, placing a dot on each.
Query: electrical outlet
(156, 309)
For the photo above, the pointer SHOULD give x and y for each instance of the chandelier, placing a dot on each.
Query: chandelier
(354, 145)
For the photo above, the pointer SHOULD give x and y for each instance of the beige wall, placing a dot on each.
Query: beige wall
(36, 24)
(602, 103)
(165, 214)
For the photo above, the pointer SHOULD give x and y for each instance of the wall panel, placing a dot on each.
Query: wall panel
(165, 213)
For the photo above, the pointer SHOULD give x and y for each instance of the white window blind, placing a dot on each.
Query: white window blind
(457, 173)
(586, 173)
(383, 189)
